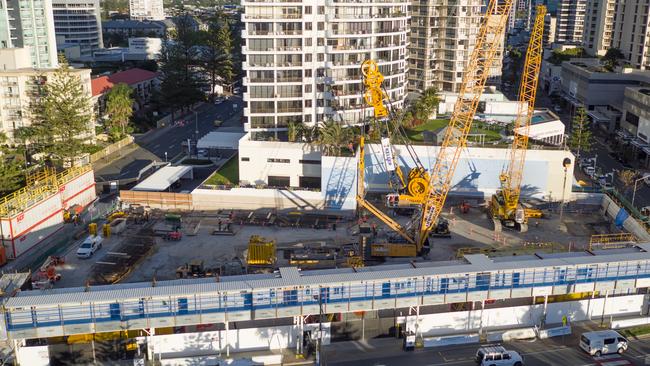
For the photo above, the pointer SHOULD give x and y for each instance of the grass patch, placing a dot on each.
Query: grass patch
(635, 332)
(228, 174)
(416, 133)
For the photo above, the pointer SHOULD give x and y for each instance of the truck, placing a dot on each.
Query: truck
(89, 246)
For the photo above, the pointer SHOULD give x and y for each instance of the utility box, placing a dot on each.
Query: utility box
(261, 251)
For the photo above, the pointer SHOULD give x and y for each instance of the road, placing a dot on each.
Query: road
(605, 162)
(535, 353)
(167, 143)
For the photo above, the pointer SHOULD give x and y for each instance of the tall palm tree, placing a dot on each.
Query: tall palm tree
(426, 104)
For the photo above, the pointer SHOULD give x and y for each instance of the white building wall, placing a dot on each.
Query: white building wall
(260, 159)
(239, 340)
(521, 316)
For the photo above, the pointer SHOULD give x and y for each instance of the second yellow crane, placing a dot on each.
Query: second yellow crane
(505, 207)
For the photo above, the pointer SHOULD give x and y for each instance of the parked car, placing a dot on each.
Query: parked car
(602, 342)
(589, 170)
(219, 100)
(92, 244)
(497, 355)
(645, 211)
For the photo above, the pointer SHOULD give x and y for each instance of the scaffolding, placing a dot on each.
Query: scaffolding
(611, 241)
(40, 185)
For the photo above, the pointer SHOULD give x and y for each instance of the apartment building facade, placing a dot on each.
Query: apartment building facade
(78, 23)
(20, 84)
(29, 24)
(303, 58)
(146, 10)
(598, 27)
(443, 35)
(631, 33)
(570, 20)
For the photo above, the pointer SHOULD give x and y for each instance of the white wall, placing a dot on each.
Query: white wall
(520, 316)
(252, 198)
(239, 340)
(34, 356)
(257, 169)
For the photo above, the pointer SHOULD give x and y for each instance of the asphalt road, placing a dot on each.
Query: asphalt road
(535, 353)
(167, 143)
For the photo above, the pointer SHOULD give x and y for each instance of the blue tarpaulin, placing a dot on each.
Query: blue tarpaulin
(621, 216)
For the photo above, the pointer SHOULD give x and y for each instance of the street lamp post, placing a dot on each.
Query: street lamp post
(647, 176)
(196, 124)
(165, 156)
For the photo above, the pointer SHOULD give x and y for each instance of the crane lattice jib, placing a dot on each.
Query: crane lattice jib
(511, 178)
(475, 76)
(374, 94)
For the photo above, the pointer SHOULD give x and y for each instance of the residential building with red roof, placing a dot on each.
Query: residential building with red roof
(143, 83)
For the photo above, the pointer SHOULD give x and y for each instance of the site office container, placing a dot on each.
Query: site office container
(78, 191)
(25, 229)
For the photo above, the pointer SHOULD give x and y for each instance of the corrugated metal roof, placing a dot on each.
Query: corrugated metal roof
(289, 277)
(162, 179)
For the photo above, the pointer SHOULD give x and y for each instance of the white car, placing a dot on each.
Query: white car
(497, 355)
(602, 342)
(92, 244)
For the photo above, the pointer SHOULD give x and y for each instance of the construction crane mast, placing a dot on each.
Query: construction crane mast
(505, 207)
(482, 59)
(439, 181)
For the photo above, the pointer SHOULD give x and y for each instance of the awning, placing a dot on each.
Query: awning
(220, 140)
(164, 178)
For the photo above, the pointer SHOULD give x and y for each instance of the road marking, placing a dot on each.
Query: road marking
(616, 363)
(607, 357)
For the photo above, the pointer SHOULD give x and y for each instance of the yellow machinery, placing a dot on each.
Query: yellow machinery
(505, 207)
(488, 43)
(92, 228)
(410, 189)
(481, 61)
(261, 251)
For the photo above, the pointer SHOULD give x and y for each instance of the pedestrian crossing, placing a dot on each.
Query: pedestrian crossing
(612, 360)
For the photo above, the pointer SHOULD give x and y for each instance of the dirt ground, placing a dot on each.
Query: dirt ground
(470, 230)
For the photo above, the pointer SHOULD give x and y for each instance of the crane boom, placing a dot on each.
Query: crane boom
(481, 61)
(512, 176)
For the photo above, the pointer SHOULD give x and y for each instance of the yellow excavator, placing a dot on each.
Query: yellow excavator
(427, 220)
(505, 207)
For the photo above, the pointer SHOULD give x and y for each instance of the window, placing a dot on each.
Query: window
(245, 159)
(307, 9)
(275, 181)
(321, 10)
(309, 182)
(610, 340)
(272, 160)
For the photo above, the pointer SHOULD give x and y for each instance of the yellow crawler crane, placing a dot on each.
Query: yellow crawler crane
(478, 69)
(481, 61)
(505, 208)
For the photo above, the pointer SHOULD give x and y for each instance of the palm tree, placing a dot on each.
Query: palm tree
(119, 107)
(426, 105)
(295, 131)
(333, 137)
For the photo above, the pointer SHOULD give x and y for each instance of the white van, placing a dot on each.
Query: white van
(603, 342)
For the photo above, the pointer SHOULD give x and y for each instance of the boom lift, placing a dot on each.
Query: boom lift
(487, 44)
(505, 208)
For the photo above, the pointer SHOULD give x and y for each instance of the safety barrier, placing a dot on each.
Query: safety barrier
(554, 332)
(450, 340)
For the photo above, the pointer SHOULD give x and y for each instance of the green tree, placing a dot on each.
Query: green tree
(11, 169)
(580, 139)
(216, 53)
(612, 58)
(294, 131)
(627, 177)
(119, 108)
(62, 116)
(426, 105)
(180, 80)
(333, 137)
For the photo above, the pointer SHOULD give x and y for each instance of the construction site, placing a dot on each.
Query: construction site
(414, 221)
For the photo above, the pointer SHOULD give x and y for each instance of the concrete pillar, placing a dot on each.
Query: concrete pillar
(227, 344)
(480, 324)
(150, 350)
(602, 316)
